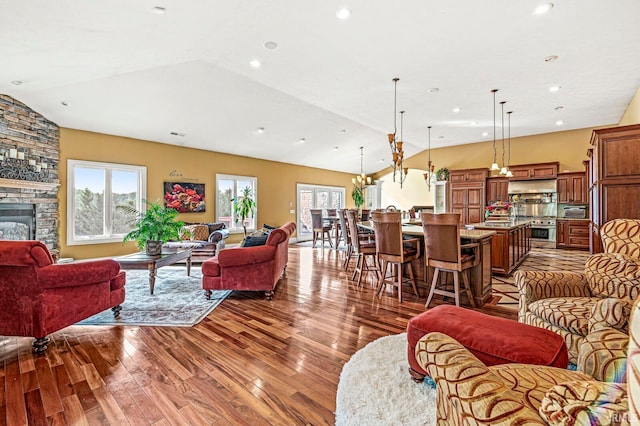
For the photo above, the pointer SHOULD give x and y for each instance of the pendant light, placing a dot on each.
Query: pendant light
(503, 170)
(397, 152)
(494, 165)
(509, 174)
(428, 177)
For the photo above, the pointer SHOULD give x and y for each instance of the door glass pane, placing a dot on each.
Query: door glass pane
(336, 200)
(306, 204)
(322, 199)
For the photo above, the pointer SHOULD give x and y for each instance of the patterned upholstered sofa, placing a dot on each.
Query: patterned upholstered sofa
(204, 239)
(470, 393)
(577, 305)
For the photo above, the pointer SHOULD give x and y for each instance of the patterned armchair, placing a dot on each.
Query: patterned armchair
(470, 393)
(589, 310)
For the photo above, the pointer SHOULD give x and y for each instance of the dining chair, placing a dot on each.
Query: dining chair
(392, 249)
(364, 247)
(319, 228)
(344, 230)
(444, 252)
(365, 215)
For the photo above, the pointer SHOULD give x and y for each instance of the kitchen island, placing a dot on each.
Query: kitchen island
(509, 246)
(480, 275)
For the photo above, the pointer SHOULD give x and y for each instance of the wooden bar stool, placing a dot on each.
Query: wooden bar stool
(363, 247)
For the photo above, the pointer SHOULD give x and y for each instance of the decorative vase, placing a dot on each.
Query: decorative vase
(153, 248)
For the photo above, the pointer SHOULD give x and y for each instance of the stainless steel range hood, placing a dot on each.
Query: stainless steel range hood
(533, 186)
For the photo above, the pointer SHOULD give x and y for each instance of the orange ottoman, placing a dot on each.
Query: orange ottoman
(491, 339)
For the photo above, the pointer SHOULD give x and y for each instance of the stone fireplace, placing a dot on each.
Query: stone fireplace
(28, 140)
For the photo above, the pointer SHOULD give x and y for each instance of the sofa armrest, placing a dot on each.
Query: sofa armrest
(610, 313)
(586, 403)
(239, 256)
(613, 275)
(219, 235)
(468, 388)
(603, 355)
(84, 272)
(536, 285)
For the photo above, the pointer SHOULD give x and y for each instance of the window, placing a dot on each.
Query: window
(93, 193)
(229, 187)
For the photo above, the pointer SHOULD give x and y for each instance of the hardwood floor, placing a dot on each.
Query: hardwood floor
(251, 361)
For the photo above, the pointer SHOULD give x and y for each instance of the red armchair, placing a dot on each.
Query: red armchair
(38, 297)
(257, 268)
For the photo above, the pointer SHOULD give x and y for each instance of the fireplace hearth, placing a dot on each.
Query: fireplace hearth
(17, 221)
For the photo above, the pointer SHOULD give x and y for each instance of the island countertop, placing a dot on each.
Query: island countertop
(499, 225)
(416, 230)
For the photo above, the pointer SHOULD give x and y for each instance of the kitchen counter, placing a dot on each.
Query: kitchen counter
(500, 225)
(510, 245)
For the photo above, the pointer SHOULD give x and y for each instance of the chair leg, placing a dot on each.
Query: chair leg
(383, 269)
(40, 345)
(434, 282)
(467, 287)
(399, 266)
(456, 287)
(413, 280)
(363, 264)
(356, 268)
(315, 238)
(116, 310)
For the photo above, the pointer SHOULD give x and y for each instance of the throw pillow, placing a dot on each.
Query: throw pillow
(269, 227)
(199, 233)
(250, 241)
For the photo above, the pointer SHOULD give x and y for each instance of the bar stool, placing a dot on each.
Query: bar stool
(443, 251)
(392, 249)
(363, 247)
(344, 230)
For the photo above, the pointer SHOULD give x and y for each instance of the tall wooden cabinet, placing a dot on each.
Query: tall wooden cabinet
(614, 178)
(468, 194)
(497, 189)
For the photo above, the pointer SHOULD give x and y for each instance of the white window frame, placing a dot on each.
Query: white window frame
(107, 237)
(235, 178)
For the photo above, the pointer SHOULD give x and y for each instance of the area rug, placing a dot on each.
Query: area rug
(177, 300)
(375, 388)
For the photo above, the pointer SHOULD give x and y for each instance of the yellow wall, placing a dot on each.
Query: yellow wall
(276, 181)
(568, 147)
(632, 114)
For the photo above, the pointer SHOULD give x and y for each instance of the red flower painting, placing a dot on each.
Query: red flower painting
(184, 197)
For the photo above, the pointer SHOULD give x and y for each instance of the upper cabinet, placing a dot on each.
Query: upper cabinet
(497, 189)
(534, 171)
(572, 188)
(468, 175)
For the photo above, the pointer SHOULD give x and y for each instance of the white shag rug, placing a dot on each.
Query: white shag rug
(375, 388)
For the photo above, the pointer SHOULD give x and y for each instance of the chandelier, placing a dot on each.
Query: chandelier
(397, 153)
(429, 177)
(494, 165)
(509, 174)
(362, 179)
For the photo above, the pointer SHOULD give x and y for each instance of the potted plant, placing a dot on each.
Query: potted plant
(358, 196)
(154, 227)
(442, 174)
(244, 206)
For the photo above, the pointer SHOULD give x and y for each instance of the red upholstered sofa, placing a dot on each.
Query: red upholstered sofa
(256, 268)
(38, 297)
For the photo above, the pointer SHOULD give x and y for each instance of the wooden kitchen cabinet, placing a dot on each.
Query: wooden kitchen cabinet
(572, 188)
(614, 178)
(534, 171)
(572, 234)
(497, 189)
(468, 194)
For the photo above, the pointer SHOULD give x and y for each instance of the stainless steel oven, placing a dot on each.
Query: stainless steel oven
(543, 232)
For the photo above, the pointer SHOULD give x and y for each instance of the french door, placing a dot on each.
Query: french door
(315, 197)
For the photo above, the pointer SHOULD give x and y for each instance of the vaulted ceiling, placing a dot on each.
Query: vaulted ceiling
(184, 76)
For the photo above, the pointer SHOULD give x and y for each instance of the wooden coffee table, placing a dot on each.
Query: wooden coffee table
(152, 263)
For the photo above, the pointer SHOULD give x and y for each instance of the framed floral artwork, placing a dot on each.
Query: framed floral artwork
(184, 197)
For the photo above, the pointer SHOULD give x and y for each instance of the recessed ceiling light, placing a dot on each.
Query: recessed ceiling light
(343, 13)
(558, 108)
(457, 109)
(302, 140)
(260, 129)
(554, 89)
(335, 148)
(65, 103)
(551, 58)
(485, 134)
(543, 8)
(381, 160)
(16, 82)
(255, 63)
(474, 123)
(343, 131)
(182, 135)
(159, 10)
(271, 45)
(433, 90)
(559, 123)
(440, 137)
